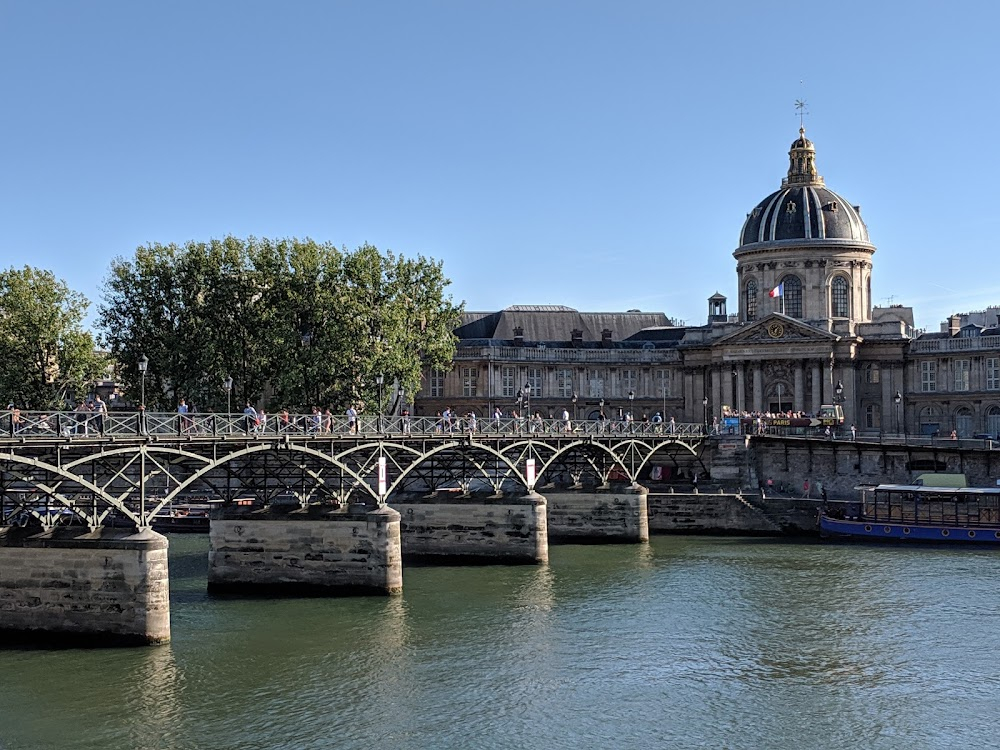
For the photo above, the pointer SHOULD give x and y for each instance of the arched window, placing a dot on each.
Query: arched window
(839, 302)
(793, 296)
(872, 373)
(993, 421)
(873, 417)
(751, 301)
(963, 422)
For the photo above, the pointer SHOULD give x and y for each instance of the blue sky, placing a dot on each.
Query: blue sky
(601, 155)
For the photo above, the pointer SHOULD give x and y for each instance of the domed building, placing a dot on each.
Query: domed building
(806, 335)
(810, 243)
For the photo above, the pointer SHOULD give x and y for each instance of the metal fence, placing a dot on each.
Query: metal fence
(74, 424)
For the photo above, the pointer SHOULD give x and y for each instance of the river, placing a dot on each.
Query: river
(682, 643)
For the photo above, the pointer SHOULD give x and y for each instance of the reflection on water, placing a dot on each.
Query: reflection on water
(680, 643)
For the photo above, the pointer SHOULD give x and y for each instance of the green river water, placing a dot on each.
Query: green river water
(681, 643)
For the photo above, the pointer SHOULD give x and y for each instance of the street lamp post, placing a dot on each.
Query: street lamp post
(143, 366)
(527, 401)
(228, 385)
(704, 413)
(574, 406)
(379, 379)
(898, 398)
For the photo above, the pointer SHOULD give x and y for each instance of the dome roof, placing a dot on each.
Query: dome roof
(802, 213)
(804, 209)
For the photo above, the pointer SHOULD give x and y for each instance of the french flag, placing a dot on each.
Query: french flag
(778, 291)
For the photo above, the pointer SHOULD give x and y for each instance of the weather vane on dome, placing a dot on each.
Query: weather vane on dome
(800, 105)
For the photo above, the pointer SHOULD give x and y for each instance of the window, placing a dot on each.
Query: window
(928, 376)
(663, 383)
(961, 370)
(595, 383)
(963, 422)
(564, 383)
(993, 373)
(751, 300)
(508, 382)
(993, 421)
(627, 381)
(470, 381)
(792, 296)
(437, 384)
(839, 297)
(872, 373)
(873, 417)
(534, 379)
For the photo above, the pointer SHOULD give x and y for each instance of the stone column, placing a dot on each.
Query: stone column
(741, 387)
(689, 396)
(758, 387)
(798, 403)
(817, 387)
(715, 400)
(888, 405)
(727, 388)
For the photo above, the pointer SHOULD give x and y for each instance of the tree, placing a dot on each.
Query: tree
(295, 323)
(46, 357)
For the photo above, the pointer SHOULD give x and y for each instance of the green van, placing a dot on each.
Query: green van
(940, 480)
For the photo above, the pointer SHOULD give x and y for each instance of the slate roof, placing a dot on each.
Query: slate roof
(555, 323)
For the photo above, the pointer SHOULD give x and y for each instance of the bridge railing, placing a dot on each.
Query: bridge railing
(79, 424)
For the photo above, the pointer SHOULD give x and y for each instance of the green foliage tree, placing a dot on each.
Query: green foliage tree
(295, 323)
(46, 356)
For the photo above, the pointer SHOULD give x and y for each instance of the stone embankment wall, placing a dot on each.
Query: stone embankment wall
(840, 466)
(107, 587)
(613, 515)
(351, 550)
(473, 528)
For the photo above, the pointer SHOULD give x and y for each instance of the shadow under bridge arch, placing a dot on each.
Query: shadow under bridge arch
(463, 465)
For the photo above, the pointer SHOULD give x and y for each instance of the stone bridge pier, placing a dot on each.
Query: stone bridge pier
(71, 585)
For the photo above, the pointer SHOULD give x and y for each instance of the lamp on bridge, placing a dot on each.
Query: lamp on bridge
(379, 380)
(574, 406)
(631, 398)
(527, 400)
(898, 398)
(228, 385)
(704, 413)
(143, 366)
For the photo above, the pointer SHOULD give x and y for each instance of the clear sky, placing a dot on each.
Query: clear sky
(601, 155)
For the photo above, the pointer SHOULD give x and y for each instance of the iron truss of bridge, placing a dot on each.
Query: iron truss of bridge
(123, 469)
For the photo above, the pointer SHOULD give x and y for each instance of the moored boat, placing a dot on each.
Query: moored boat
(183, 517)
(903, 512)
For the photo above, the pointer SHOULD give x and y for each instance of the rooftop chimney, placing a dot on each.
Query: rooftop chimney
(606, 338)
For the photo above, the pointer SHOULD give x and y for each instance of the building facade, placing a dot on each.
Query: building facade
(805, 334)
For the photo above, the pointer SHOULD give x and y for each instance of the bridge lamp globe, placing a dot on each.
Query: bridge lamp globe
(228, 385)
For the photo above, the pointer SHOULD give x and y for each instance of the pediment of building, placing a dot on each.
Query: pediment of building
(778, 329)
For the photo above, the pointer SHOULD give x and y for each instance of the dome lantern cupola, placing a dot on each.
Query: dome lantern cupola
(802, 163)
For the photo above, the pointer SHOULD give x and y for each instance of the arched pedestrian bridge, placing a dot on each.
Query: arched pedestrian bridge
(124, 468)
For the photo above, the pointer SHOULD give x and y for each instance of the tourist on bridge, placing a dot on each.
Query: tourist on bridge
(471, 422)
(567, 425)
(102, 410)
(250, 417)
(497, 415)
(406, 421)
(352, 420)
(602, 420)
(657, 423)
(672, 427)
